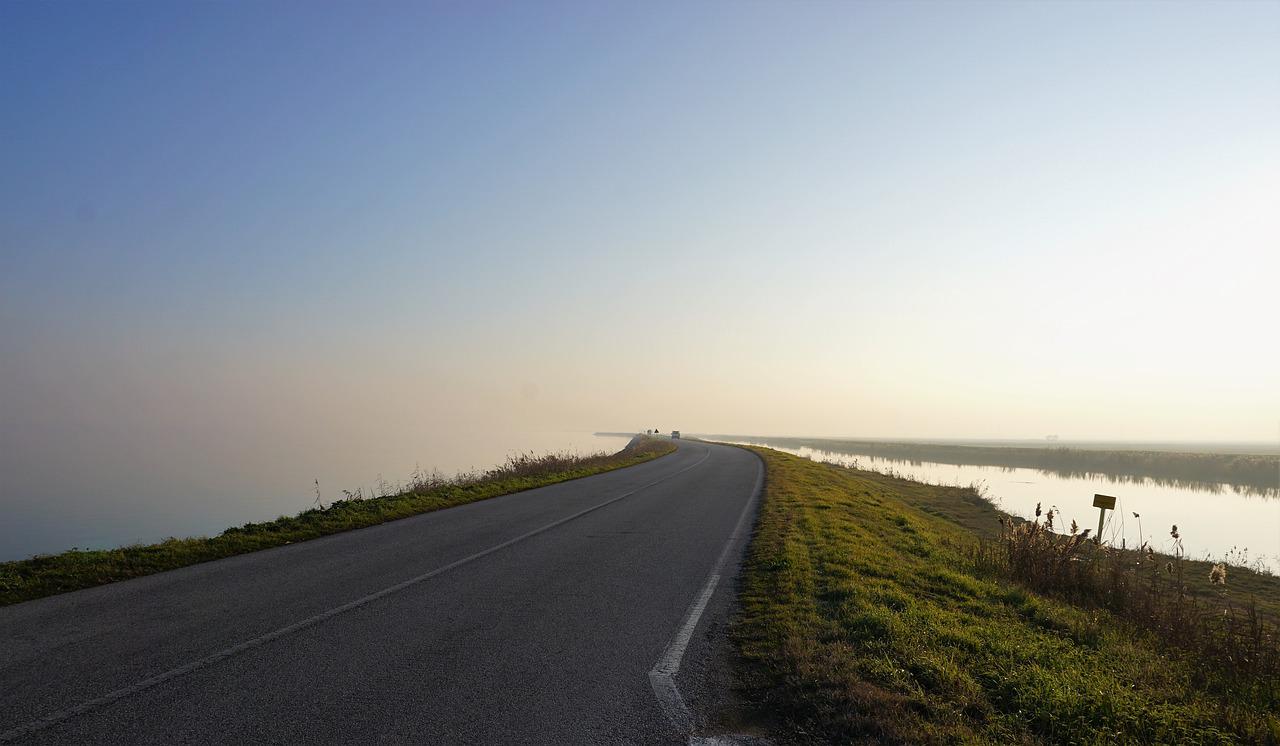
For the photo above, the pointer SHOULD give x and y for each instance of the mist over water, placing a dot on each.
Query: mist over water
(90, 509)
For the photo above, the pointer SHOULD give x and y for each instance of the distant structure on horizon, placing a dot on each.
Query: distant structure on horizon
(1051, 438)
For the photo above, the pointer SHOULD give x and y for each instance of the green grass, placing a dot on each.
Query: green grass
(966, 508)
(863, 620)
(46, 575)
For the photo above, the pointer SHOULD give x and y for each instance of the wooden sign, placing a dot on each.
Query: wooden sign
(1106, 502)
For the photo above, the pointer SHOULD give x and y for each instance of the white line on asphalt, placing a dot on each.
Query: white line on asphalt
(662, 678)
(106, 699)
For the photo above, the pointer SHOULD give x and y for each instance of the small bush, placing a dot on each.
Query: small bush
(1232, 644)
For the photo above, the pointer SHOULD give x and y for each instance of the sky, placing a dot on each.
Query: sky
(238, 238)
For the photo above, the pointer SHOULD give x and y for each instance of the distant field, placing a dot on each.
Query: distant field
(867, 618)
(1248, 466)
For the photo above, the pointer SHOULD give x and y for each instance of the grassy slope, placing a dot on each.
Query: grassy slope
(46, 575)
(860, 622)
(968, 510)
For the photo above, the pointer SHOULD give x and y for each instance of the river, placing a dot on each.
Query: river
(1218, 522)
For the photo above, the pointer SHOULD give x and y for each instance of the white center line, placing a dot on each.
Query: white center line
(106, 699)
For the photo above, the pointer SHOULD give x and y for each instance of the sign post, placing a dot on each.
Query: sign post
(1103, 503)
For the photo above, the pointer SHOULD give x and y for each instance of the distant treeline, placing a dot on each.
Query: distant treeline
(1247, 473)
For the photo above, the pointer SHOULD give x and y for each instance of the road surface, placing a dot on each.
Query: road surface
(586, 612)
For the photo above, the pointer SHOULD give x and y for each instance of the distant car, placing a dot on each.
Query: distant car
(675, 434)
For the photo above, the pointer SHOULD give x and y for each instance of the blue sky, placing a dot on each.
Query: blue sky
(312, 231)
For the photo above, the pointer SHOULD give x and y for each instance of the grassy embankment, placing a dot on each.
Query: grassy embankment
(966, 508)
(46, 575)
(867, 617)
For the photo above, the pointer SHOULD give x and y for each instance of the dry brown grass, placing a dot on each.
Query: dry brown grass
(1227, 639)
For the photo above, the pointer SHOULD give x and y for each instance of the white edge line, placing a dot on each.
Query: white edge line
(662, 676)
(106, 699)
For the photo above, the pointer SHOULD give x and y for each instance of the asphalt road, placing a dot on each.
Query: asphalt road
(557, 615)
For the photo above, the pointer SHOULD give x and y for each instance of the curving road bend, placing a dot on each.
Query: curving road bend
(586, 612)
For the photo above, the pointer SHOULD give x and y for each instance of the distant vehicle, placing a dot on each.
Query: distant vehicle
(675, 435)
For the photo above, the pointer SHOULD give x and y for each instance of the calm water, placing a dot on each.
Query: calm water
(93, 509)
(1212, 523)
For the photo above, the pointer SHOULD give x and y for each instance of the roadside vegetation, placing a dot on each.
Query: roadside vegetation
(967, 507)
(1248, 473)
(46, 575)
(879, 610)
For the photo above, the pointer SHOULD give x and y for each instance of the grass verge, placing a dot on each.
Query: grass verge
(39, 576)
(864, 620)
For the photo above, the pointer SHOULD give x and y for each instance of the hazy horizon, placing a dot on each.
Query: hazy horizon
(1052, 438)
(245, 245)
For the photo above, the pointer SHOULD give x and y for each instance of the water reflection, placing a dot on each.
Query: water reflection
(1216, 521)
(1247, 469)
